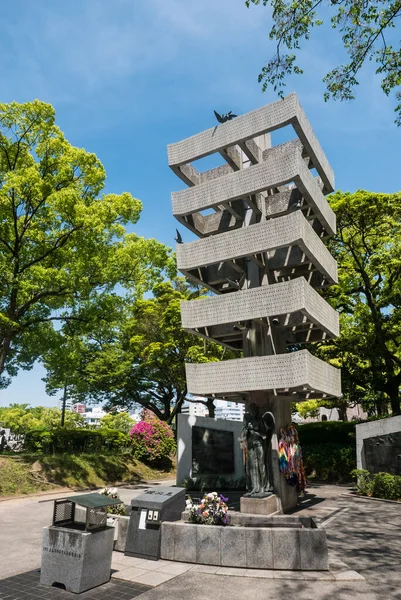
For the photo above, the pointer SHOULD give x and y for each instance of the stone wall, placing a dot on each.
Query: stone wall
(378, 446)
(218, 438)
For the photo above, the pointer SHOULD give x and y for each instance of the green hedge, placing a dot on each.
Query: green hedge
(327, 432)
(381, 485)
(329, 462)
(328, 449)
(73, 441)
(386, 486)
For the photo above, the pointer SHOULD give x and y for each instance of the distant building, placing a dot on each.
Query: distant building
(355, 413)
(231, 411)
(77, 407)
(92, 416)
(68, 404)
(195, 409)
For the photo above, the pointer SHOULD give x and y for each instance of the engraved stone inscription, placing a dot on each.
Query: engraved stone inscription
(383, 453)
(61, 551)
(212, 451)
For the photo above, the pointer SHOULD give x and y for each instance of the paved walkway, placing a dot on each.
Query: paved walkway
(364, 536)
(153, 573)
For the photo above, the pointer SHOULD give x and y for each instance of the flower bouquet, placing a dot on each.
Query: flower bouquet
(212, 510)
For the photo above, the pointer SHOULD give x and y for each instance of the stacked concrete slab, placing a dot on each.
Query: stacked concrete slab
(262, 220)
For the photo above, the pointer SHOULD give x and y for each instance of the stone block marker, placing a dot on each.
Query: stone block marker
(79, 560)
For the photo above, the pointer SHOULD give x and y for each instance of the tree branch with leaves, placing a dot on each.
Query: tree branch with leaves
(63, 244)
(367, 247)
(369, 31)
(140, 358)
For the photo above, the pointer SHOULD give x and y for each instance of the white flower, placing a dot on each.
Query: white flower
(188, 503)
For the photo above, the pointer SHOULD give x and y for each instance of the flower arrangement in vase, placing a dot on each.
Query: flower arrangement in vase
(116, 509)
(212, 510)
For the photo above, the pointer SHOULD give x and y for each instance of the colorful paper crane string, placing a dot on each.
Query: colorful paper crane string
(290, 458)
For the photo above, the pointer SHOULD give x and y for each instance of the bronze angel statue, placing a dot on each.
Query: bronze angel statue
(258, 432)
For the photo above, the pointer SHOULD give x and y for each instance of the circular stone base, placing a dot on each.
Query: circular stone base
(290, 543)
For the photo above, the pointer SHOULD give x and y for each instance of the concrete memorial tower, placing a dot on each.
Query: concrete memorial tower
(262, 219)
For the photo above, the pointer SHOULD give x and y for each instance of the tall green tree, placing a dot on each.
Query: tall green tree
(20, 418)
(118, 420)
(369, 31)
(367, 247)
(63, 244)
(141, 360)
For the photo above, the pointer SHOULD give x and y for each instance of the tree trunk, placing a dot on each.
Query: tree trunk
(381, 406)
(63, 407)
(211, 407)
(342, 412)
(395, 402)
(180, 397)
(4, 352)
(392, 391)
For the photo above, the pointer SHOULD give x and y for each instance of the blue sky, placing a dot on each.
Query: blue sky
(127, 77)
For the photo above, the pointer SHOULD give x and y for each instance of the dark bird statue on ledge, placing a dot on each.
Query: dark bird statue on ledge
(225, 117)
(178, 237)
(236, 283)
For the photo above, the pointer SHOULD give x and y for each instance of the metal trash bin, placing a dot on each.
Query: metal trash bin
(148, 510)
(76, 555)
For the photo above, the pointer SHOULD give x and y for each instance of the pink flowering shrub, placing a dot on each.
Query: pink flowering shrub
(152, 439)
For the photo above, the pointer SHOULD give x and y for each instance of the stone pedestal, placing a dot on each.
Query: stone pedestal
(79, 560)
(259, 506)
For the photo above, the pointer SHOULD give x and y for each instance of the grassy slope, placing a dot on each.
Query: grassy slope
(16, 478)
(29, 474)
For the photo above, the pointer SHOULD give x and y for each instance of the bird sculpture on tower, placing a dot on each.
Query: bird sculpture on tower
(224, 117)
